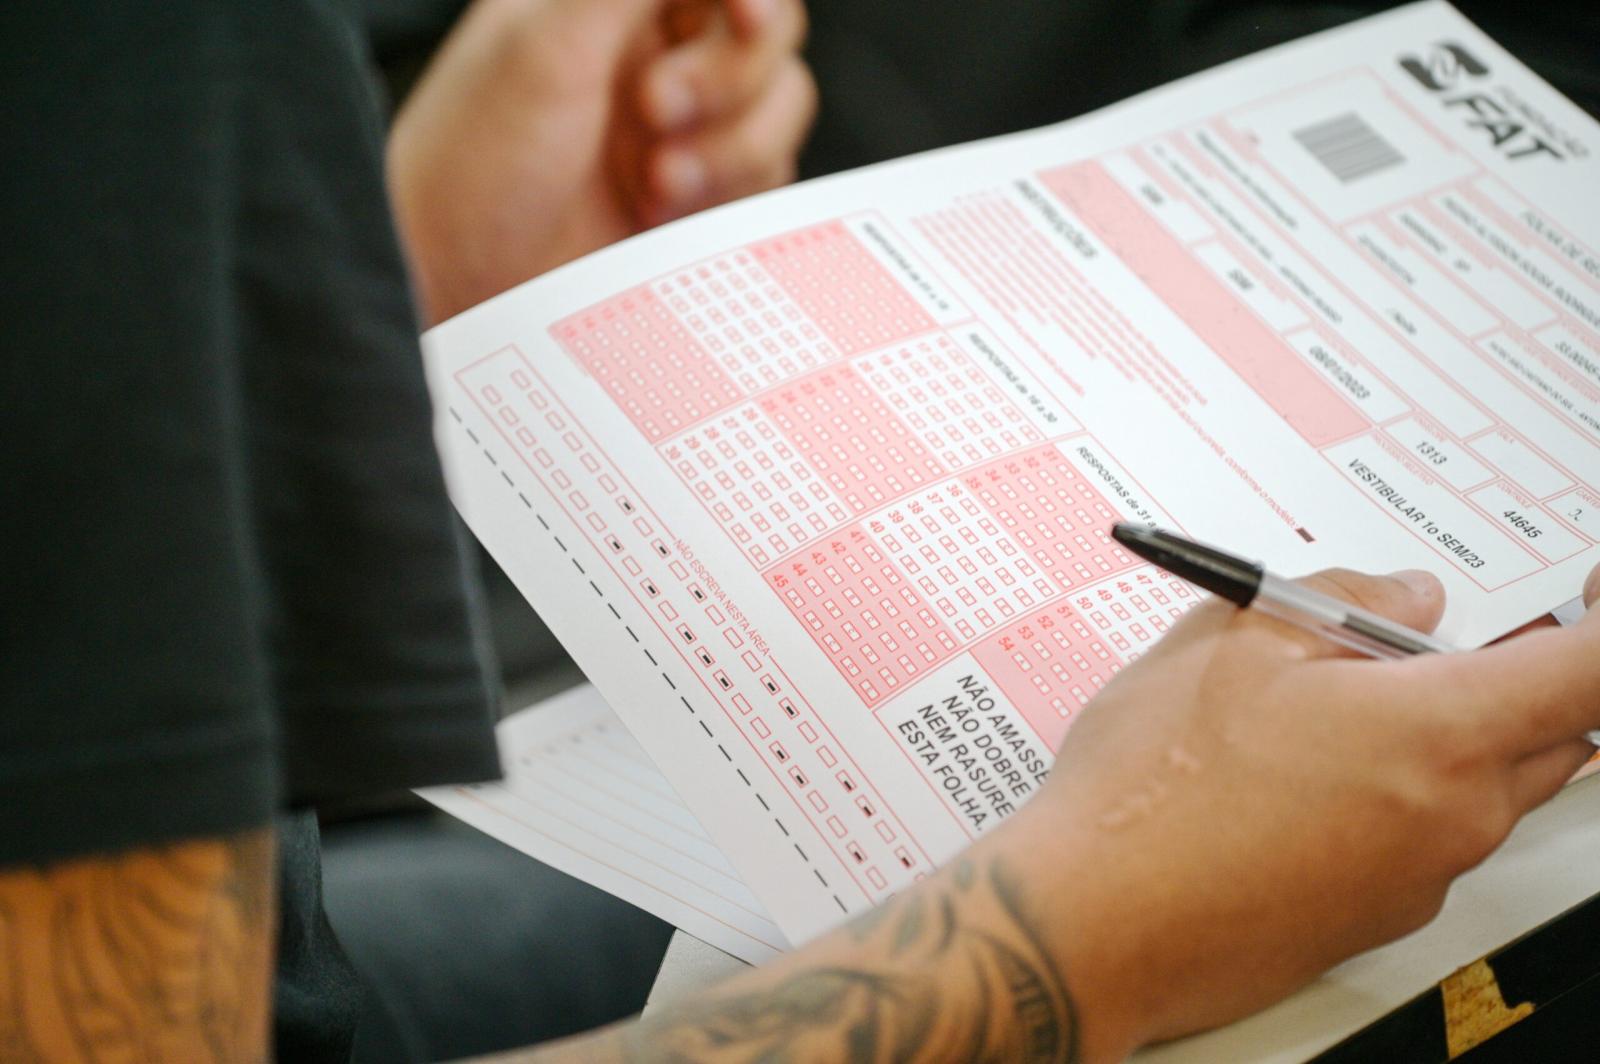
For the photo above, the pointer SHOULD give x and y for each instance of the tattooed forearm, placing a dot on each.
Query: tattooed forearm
(956, 973)
(160, 954)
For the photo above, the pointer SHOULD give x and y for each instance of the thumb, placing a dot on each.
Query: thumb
(1540, 689)
(1410, 597)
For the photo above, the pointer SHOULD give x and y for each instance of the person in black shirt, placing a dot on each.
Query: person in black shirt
(234, 587)
(234, 584)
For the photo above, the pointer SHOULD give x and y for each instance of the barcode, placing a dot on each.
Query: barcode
(1348, 147)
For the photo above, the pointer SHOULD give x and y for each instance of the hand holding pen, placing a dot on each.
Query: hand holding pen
(1249, 584)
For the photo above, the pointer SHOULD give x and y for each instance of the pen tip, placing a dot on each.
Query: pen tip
(1217, 571)
(1130, 535)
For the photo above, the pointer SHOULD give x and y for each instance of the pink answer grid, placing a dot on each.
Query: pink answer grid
(841, 287)
(542, 433)
(749, 466)
(954, 551)
(886, 609)
(755, 482)
(1050, 664)
(865, 454)
(861, 609)
(1053, 511)
(647, 361)
(693, 342)
(957, 411)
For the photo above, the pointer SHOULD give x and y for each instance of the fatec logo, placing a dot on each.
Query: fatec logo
(1444, 67)
(1451, 70)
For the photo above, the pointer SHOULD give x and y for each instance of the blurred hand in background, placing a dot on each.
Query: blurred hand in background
(546, 129)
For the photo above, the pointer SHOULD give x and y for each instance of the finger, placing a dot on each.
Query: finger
(1410, 597)
(1533, 692)
(1591, 588)
(719, 72)
(751, 18)
(726, 162)
(1537, 777)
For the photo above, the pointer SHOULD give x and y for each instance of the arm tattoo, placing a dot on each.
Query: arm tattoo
(160, 954)
(935, 987)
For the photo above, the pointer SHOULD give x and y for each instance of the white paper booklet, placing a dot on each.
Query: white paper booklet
(581, 795)
(816, 487)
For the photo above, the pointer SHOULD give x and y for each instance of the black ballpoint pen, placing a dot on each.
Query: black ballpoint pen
(1247, 583)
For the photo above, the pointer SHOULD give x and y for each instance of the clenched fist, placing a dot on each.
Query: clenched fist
(545, 129)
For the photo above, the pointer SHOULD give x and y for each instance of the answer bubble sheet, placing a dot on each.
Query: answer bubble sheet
(816, 487)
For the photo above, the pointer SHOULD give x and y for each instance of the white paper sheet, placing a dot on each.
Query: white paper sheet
(816, 486)
(580, 795)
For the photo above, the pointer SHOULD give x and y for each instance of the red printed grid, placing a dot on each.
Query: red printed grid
(1054, 512)
(955, 563)
(1051, 663)
(841, 287)
(692, 343)
(797, 745)
(743, 317)
(1132, 612)
(755, 483)
(954, 552)
(864, 453)
(647, 361)
(949, 402)
(864, 613)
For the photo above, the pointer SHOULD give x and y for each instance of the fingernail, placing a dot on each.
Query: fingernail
(673, 102)
(1419, 581)
(683, 176)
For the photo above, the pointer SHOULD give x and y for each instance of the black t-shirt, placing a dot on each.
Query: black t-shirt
(233, 582)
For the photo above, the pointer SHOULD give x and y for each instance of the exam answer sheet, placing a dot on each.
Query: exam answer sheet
(816, 486)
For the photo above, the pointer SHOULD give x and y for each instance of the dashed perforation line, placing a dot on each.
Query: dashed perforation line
(646, 650)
